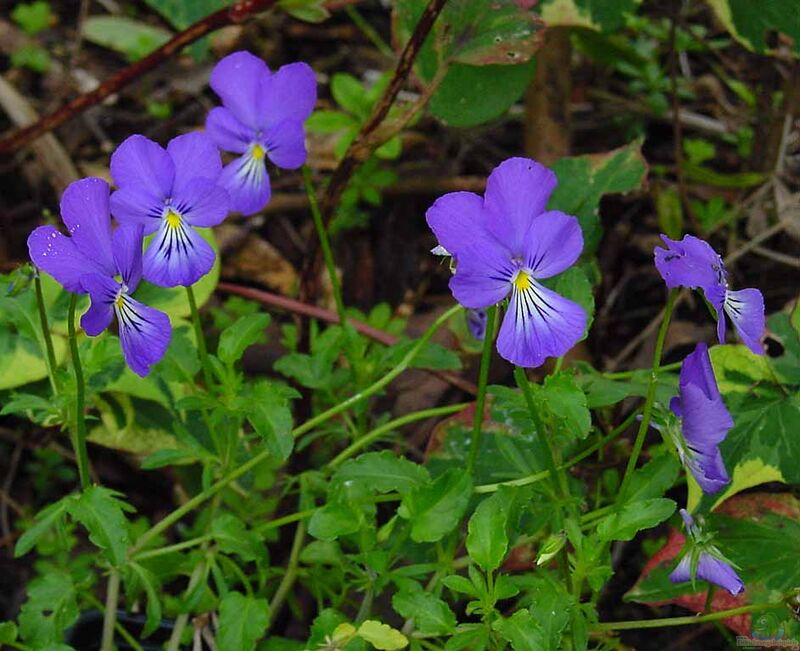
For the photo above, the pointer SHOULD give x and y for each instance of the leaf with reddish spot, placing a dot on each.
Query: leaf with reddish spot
(758, 532)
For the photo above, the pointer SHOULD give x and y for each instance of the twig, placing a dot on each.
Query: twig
(362, 146)
(777, 256)
(11, 473)
(236, 13)
(58, 166)
(315, 312)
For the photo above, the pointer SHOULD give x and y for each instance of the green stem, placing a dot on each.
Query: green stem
(325, 244)
(79, 431)
(286, 519)
(169, 549)
(201, 339)
(309, 425)
(368, 31)
(180, 623)
(647, 412)
(291, 571)
(110, 615)
(123, 632)
(544, 474)
(681, 621)
(375, 434)
(624, 375)
(483, 376)
(559, 479)
(50, 353)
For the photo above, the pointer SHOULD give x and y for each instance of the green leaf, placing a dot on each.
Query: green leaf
(33, 17)
(130, 37)
(653, 479)
(583, 180)
(669, 212)
(472, 95)
(522, 631)
(323, 121)
(51, 608)
(431, 615)
(751, 22)
(460, 584)
(32, 57)
(382, 636)
(564, 405)
(233, 537)
(487, 540)
(311, 11)
(625, 523)
(130, 424)
(483, 32)
(552, 608)
(435, 509)
(763, 445)
(21, 358)
(601, 15)
(151, 587)
(242, 622)
(8, 633)
(182, 13)
(102, 513)
(269, 412)
(239, 336)
(46, 519)
(383, 472)
(575, 285)
(348, 93)
(333, 520)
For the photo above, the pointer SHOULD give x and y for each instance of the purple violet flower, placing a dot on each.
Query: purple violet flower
(170, 192)
(693, 263)
(476, 323)
(505, 243)
(262, 115)
(704, 561)
(107, 266)
(705, 421)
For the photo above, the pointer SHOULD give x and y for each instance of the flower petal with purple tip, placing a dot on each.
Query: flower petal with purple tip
(539, 324)
(691, 262)
(517, 191)
(246, 181)
(458, 219)
(85, 212)
(286, 144)
(203, 203)
(128, 255)
(177, 255)
(483, 275)
(55, 253)
(194, 156)
(103, 291)
(709, 569)
(144, 334)
(240, 79)
(746, 310)
(227, 132)
(290, 94)
(553, 243)
(143, 164)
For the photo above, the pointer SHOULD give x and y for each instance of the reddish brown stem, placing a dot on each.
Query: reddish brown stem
(361, 148)
(236, 13)
(315, 312)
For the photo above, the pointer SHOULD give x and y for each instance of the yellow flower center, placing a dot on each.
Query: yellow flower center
(257, 152)
(173, 219)
(522, 281)
(120, 301)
